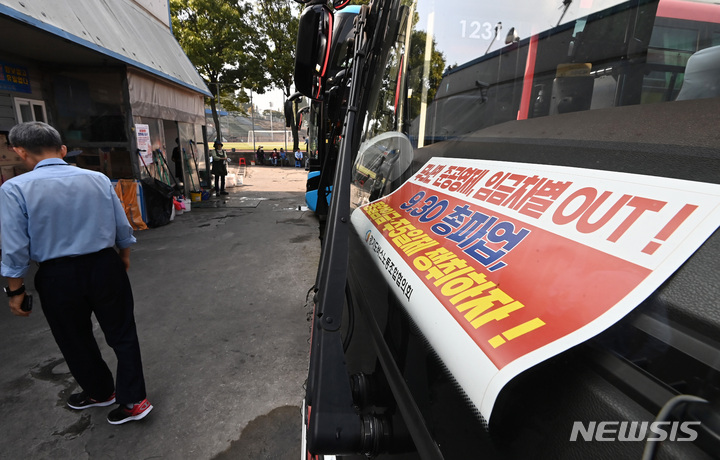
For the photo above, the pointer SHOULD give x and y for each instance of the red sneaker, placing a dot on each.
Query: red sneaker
(122, 414)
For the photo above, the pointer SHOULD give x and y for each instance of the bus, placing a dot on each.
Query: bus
(520, 256)
(322, 73)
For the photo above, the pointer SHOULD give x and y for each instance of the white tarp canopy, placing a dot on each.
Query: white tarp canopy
(150, 97)
(120, 29)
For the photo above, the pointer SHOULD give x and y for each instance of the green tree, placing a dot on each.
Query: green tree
(416, 64)
(220, 42)
(233, 101)
(276, 21)
(275, 114)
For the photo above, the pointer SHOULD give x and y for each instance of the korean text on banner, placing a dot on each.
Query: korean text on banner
(506, 264)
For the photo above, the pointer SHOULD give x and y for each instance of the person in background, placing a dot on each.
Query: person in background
(283, 157)
(298, 158)
(80, 274)
(275, 157)
(177, 160)
(219, 168)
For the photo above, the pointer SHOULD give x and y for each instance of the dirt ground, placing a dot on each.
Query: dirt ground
(271, 178)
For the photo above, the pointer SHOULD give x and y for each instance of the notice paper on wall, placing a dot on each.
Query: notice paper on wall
(142, 133)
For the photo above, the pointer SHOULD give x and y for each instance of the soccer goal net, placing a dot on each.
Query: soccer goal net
(269, 136)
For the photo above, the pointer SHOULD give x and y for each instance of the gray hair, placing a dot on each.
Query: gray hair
(35, 136)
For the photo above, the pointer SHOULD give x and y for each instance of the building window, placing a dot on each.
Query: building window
(30, 110)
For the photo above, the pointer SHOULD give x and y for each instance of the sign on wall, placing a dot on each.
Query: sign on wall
(144, 144)
(14, 78)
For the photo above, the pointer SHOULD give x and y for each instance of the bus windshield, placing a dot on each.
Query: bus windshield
(493, 150)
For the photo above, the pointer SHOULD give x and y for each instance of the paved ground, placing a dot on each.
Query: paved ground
(221, 309)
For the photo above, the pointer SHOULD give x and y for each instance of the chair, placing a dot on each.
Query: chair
(242, 161)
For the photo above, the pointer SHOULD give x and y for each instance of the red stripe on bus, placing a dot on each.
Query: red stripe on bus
(524, 111)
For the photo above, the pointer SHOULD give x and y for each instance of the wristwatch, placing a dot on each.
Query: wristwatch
(17, 291)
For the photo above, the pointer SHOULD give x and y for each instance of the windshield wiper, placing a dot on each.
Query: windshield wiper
(565, 6)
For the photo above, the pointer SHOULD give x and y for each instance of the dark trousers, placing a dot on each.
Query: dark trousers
(70, 290)
(219, 182)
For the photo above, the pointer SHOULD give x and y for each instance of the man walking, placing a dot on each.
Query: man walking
(42, 220)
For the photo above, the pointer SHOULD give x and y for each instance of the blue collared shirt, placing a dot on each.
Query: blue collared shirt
(58, 210)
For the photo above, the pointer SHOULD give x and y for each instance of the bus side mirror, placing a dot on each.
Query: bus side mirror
(288, 112)
(313, 50)
(301, 115)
